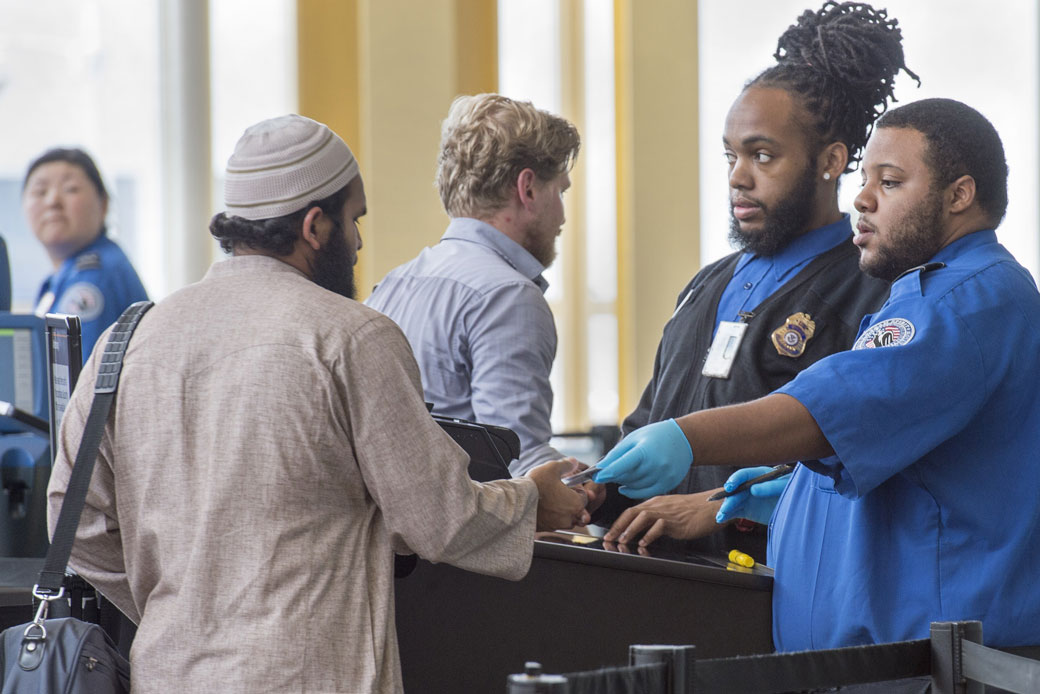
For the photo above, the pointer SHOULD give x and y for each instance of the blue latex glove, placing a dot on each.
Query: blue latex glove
(651, 460)
(756, 503)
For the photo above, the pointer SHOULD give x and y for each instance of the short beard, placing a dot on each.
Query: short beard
(333, 265)
(912, 242)
(543, 249)
(787, 221)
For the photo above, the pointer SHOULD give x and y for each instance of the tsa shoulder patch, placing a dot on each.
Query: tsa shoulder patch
(890, 332)
(88, 261)
(82, 299)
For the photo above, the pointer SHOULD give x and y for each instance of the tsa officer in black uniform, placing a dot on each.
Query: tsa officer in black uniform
(793, 292)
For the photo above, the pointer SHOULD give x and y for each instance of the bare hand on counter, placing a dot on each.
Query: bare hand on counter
(559, 506)
(622, 548)
(682, 516)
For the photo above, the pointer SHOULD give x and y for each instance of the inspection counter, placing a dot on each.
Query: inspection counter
(580, 606)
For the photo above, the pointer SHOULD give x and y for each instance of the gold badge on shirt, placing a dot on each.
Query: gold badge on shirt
(791, 337)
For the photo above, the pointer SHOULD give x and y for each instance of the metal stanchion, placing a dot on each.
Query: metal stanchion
(534, 681)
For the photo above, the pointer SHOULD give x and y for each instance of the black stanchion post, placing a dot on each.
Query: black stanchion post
(533, 681)
(947, 665)
(680, 661)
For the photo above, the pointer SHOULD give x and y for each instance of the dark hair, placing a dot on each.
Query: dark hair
(276, 235)
(841, 61)
(72, 155)
(961, 142)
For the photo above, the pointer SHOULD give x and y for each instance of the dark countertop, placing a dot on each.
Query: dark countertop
(663, 558)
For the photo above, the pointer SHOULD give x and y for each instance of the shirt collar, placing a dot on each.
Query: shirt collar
(68, 266)
(910, 282)
(963, 245)
(805, 247)
(478, 232)
(69, 263)
(239, 264)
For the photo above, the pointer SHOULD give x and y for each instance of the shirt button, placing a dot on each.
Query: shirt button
(748, 285)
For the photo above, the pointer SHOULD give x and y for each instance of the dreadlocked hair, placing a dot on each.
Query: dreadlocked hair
(841, 61)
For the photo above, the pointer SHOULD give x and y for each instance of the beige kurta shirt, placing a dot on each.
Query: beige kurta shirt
(268, 447)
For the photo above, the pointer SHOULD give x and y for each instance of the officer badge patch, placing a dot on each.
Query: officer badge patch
(82, 299)
(791, 337)
(890, 332)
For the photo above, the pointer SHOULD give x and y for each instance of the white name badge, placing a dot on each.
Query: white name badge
(724, 349)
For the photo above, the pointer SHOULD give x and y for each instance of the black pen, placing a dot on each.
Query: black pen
(27, 418)
(778, 471)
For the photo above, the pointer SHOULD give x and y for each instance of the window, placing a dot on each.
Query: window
(560, 56)
(81, 73)
(88, 73)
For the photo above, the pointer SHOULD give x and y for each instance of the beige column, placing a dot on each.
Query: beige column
(658, 184)
(383, 73)
(572, 314)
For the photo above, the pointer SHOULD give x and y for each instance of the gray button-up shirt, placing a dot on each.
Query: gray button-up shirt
(473, 309)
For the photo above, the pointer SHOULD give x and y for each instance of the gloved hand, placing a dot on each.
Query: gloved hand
(651, 460)
(756, 503)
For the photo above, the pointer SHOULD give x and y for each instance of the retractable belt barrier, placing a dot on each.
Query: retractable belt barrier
(785, 672)
(953, 657)
(999, 669)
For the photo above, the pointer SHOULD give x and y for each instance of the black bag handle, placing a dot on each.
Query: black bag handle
(49, 585)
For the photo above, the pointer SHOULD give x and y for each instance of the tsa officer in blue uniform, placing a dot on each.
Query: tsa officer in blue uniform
(918, 498)
(65, 203)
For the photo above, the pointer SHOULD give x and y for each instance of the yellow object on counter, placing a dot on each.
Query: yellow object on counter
(738, 557)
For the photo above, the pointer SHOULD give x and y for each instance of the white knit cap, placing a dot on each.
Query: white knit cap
(282, 164)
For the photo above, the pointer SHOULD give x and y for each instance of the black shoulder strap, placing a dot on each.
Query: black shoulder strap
(53, 572)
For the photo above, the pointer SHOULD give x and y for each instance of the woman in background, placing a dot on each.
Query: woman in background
(65, 203)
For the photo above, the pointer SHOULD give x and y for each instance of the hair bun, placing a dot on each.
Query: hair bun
(850, 42)
(841, 61)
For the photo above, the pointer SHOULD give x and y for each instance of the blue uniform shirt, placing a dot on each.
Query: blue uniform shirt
(930, 508)
(96, 284)
(757, 277)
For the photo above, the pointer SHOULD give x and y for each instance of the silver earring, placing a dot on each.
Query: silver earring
(826, 175)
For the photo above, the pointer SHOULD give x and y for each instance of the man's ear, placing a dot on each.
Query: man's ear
(833, 160)
(960, 194)
(525, 187)
(309, 234)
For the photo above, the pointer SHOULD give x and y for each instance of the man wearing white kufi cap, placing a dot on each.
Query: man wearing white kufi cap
(269, 448)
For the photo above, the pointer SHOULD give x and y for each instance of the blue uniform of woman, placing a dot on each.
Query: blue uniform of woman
(930, 508)
(96, 284)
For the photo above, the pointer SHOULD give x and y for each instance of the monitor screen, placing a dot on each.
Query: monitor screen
(16, 367)
(23, 370)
